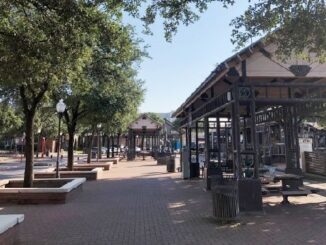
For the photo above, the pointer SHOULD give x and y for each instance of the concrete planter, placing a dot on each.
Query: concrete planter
(90, 173)
(114, 160)
(53, 191)
(104, 165)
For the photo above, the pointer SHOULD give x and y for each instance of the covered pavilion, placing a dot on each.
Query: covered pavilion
(253, 87)
(143, 133)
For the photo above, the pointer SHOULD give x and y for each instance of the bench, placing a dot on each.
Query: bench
(295, 193)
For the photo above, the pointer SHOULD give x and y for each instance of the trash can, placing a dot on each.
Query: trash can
(225, 201)
(94, 154)
(214, 180)
(170, 164)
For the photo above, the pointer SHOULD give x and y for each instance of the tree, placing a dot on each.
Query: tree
(42, 44)
(294, 26)
(10, 119)
(107, 84)
(300, 25)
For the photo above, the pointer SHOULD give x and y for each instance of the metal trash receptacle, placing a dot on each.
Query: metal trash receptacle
(170, 164)
(94, 154)
(225, 201)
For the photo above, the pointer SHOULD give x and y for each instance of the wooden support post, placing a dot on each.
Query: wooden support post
(253, 133)
(142, 140)
(190, 165)
(189, 143)
(296, 139)
(218, 133)
(181, 149)
(207, 143)
(236, 136)
(197, 146)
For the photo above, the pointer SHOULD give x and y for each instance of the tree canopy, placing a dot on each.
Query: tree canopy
(295, 26)
(45, 45)
(10, 120)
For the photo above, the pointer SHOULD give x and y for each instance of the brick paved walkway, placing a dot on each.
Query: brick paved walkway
(139, 203)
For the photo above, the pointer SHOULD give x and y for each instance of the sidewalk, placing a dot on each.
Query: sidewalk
(139, 203)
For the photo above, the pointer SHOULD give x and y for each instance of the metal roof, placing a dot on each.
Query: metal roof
(224, 66)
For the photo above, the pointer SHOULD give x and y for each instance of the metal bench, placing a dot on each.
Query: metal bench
(294, 193)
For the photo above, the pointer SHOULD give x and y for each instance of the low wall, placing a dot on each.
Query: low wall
(93, 174)
(36, 195)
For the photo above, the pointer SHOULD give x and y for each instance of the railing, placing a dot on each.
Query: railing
(283, 93)
(213, 105)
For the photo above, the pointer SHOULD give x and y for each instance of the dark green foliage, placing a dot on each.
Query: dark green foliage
(155, 117)
(10, 120)
(300, 24)
(295, 26)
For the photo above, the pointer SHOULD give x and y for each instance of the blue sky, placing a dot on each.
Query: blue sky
(176, 69)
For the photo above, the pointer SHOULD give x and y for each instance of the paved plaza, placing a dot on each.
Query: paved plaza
(139, 203)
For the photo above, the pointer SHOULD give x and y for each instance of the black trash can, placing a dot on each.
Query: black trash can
(225, 201)
(170, 164)
(94, 154)
(194, 170)
(214, 180)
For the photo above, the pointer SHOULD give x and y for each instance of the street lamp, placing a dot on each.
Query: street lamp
(99, 150)
(61, 107)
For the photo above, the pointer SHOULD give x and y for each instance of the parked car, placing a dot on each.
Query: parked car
(103, 150)
(115, 148)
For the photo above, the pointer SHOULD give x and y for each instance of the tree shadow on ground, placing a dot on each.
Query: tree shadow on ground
(156, 206)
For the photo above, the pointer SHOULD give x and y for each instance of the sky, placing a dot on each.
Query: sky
(176, 69)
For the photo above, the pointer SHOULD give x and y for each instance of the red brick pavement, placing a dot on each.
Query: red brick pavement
(139, 203)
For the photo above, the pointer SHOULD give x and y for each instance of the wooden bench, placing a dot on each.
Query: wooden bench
(295, 193)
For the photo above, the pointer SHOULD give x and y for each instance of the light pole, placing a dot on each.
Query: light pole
(61, 107)
(99, 150)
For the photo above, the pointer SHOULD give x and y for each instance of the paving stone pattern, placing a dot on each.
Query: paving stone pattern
(138, 203)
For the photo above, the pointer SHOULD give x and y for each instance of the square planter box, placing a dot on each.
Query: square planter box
(114, 160)
(104, 165)
(90, 173)
(52, 191)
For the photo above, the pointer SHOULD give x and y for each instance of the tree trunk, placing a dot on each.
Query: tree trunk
(29, 148)
(90, 146)
(70, 164)
(99, 142)
(108, 146)
(29, 108)
(118, 144)
(112, 146)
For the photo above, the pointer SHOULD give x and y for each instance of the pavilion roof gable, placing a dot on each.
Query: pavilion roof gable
(145, 121)
(261, 62)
